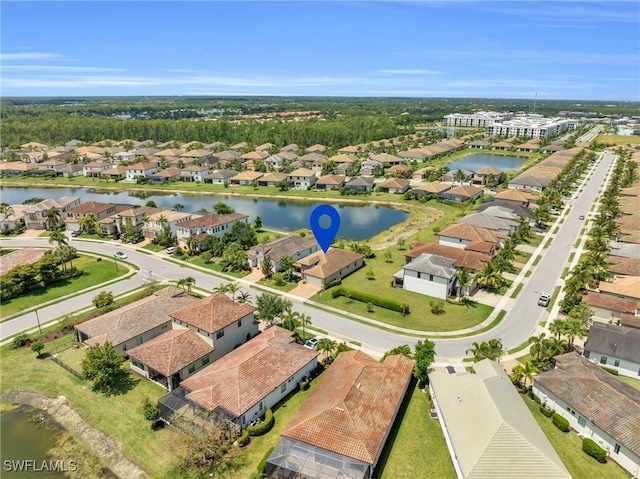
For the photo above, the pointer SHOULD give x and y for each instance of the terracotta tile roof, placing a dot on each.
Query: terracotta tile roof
(136, 318)
(91, 207)
(463, 258)
(394, 183)
(245, 376)
(481, 246)
(145, 165)
(213, 313)
(398, 168)
(386, 158)
(18, 258)
(330, 262)
(607, 301)
(469, 232)
(630, 320)
(598, 396)
(167, 173)
(629, 287)
(211, 220)
(331, 180)
(172, 351)
(624, 266)
(354, 405)
(255, 155)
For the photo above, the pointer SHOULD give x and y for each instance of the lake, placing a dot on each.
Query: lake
(23, 439)
(480, 160)
(357, 222)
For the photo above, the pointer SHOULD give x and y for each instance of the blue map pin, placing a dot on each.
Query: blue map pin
(325, 236)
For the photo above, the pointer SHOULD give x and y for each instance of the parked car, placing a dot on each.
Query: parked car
(581, 217)
(137, 239)
(171, 249)
(120, 255)
(75, 233)
(544, 299)
(312, 343)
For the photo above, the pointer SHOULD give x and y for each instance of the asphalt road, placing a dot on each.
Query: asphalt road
(519, 323)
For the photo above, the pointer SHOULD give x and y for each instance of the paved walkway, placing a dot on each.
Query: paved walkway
(305, 290)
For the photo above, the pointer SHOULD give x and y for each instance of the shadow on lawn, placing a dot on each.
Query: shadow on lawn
(121, 385)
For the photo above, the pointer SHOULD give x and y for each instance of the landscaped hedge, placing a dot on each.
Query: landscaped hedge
(385, 303)
(591, 448)
(545, 411)
(610, 370)
(560, 422)
(244, 438)
(335, 282)
(264, 427)
(263, 462)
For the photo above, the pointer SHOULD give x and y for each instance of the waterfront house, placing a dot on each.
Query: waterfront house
(320, 269)
(362, 184)
(143, 169)
(209, 224)
(295, 247)
(301, 178)
(330, 182)
(394, 185)
(36, 215)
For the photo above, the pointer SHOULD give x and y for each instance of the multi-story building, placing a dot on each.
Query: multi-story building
(479, 119)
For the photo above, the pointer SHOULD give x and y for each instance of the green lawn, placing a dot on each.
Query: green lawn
(271, 284)
(212, 265)
(522, 256)
(569, 447)
(535, 240)
(119, 416)
(259, 445)
(617, 140)
(73, 357)
(95, 273)
(416, 448)
(630, 381)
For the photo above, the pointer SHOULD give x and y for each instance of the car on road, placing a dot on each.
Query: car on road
(581, 217)
(171, 249)
(312, 343)
(544, 299)
(120, 255)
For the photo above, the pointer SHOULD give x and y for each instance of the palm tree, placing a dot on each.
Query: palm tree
(495, 349)
(525, 371)
(189, 282)
(574, 329)
(88, 223)
(244, 297)
(192, 245)
(524, 227)
(537, 345)
(327, 346)
(221, 288)
(479, 351)
(290, 320)
(489, 277)
(305, 320)
(52, 218)
(557, 327)
(554, 346)
(57, 236)
(233, 289)
(465, 279)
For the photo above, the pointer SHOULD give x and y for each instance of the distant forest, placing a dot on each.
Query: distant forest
(337, 121)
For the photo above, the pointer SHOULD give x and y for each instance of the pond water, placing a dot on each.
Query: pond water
(21, 440)
(480, 160)
(357, 222)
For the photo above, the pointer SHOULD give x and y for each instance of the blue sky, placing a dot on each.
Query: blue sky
(499, 49)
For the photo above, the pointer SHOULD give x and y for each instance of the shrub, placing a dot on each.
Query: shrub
(244, 439)
(304, 385)
(534, 397)
(263, 462)
(385, 303)
(610, 370)
(264, 427)
(546, 411)
(560, 422)
(20, 340)
(592, 449)
(151, 411)
(335, 282)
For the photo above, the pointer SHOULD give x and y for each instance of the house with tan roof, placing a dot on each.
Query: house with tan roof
(627, 287)
(166, 175)
(462, 193)
(463, 258)
(245, 178)
(116, 173)
(117, 223)
(254, 155)
(330, 182)
(461, 235)
(621, 266)
(12, 217)
(143, 169)
(292, 147)
(265, 147)
(14, 168)
(322, 268)
(295, 247)
(210, 224)
(239, 146)
(94, 169)
(272, 179)
(522, 196)
(486, 424)
(342, 427)
(170, 152)
(431, 188)
(615, 347)
(99, 210)
(489, 175)
(36, 215)
(387, 158)
(607, 307)
(135, 323)
(494, 223)
(301, 178)
(316, 149)
(247, 381)
(194, 173)
(343, 158)
(394, 185)
(349, 150)
(155, 222)
(597, 405)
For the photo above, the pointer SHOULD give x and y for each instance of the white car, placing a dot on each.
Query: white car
(544, 299)
(120, 255)
(171, 249)
(312, 343)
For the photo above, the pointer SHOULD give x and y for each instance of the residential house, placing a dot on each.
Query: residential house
(116, 173)
(210, 224)
(294, 246)
(400, 171)
(523, 197)
(117, 223)
(423, 173)
(156, 222)
(349, 150)
(254, 156)
(123, 157)
(316, 149)
(12, 217)
(194, 173)
(607, 307)
(239, 146)
(311, 159)
(243, 384)
(135, 323)
(488, 175)
(494, 223)
(330, 182)
(414, 155)
(463, 235)
(615, 347)
(621, 266)
(428, 274)
(320, 269)
(463, 258)
(371, 168)
(143, 169)
(458, 175)
(14, 169)
(35, 216)
(507, 209)
(245, 178)
(291, 148)
(94, 169)
(301, 178)
(220, 177)
(479, 144)
(486, 425)
(386, 158)
(272, 179)
(362, 184)
(166, 175)
(597, 405)
(342, 427)
(431, 188)
(264, 148)
(627, 287)
(343, 158)
(275, 162)
(100, 211)
(626, 250)
(462, 193)
(394, 185)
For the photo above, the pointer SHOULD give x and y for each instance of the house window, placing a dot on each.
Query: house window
(137, 364)
(603, 360)
(283, 388)
(192, 368)
(587, 354)
(582, 421)
(616, 448)
(616, 363)
(430, 277)
(139, 340)
(260, 406)
(219, 334)
(205, 360)
(419, 275)
(239, 323)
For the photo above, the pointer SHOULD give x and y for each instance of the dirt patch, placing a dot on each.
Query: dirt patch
(404, 230)
(102, 445)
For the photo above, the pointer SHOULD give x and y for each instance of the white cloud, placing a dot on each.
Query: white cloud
(5, 57)
(57, 68)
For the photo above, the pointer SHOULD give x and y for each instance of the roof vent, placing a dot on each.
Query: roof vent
(358, 386)
(339, 409)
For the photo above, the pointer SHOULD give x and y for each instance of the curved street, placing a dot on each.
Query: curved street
(519, 323)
